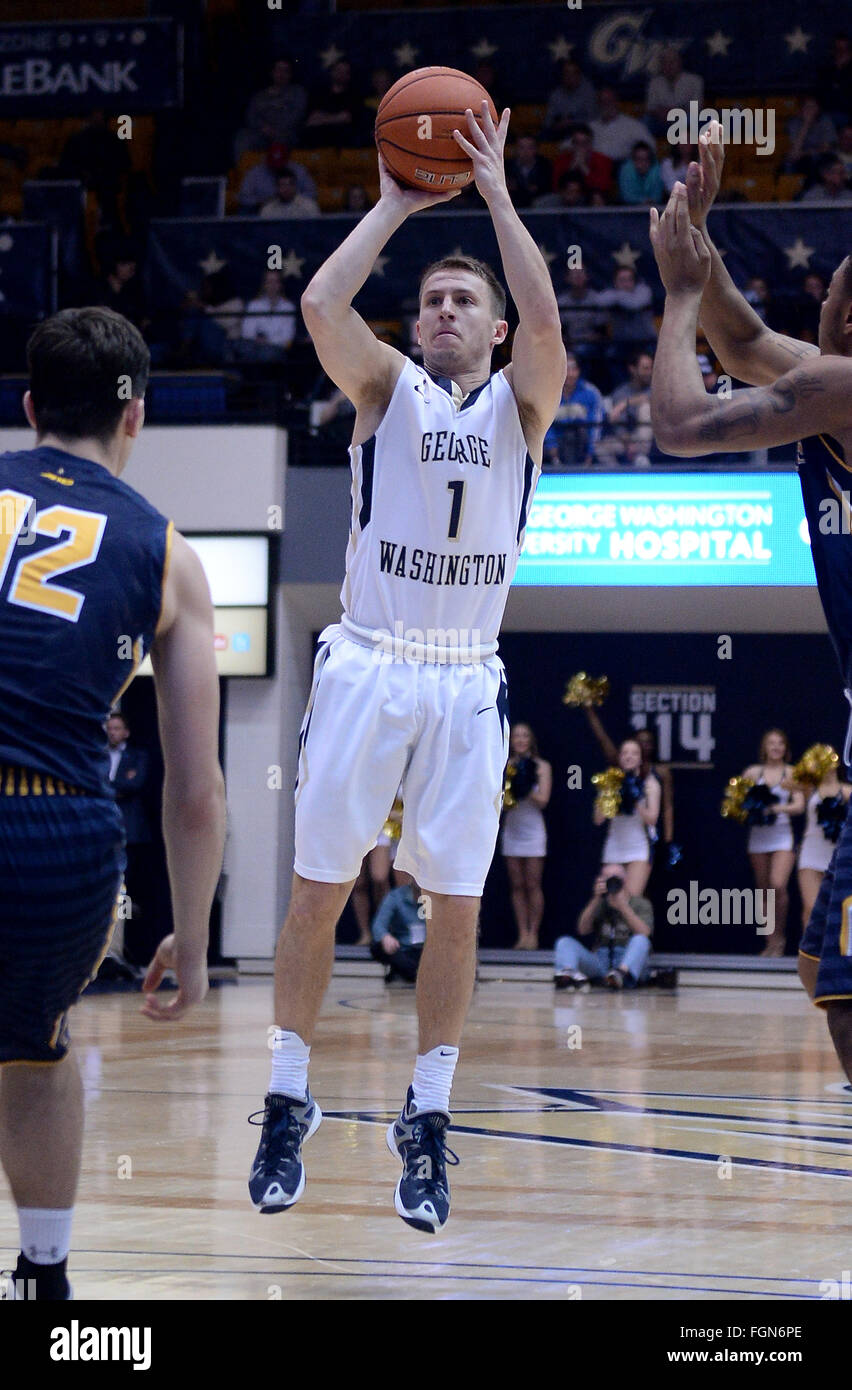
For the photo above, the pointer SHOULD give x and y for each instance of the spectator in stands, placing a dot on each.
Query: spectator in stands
(528, 174)
(260, 184)
(274, 115)
(577, 156)
(834, 80)
(289, 202)
(844, 148)
(380, 81)
(129, 768)
(95, 155)
(756, 293)
(334, 417)
(709, 375)
(673, 168)
(639, 178)
(806, 307)
(572, 100)
(573, 437)
(831, 186)
(269, 324)
(121, 288)
(211, 322)
(572, 192)
(335, 111)
(399, 931)
(811, 134)
(629, 438)
(671, 88)
(614, 133)
(357, 200)
(631, 323)
(486, 75)
(613, 940)
(583, 321)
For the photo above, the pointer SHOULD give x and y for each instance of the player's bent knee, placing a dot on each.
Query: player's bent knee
(839, 1014)
(808, 974)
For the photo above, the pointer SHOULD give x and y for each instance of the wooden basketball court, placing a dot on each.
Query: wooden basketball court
(645, 1146)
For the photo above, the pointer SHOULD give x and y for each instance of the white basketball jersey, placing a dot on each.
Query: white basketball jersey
(440, 496)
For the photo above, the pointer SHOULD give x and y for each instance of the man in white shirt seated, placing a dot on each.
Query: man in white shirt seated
(269, 325)
(614, 133)
(671, 88)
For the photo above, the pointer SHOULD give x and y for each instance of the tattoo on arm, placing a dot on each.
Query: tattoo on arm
(746, 418)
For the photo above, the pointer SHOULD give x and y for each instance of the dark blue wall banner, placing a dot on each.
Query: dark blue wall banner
(64, 69)
(783, 243)
(729, 43)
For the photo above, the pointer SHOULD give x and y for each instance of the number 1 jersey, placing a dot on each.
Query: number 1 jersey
(440, 495)
(83, 561)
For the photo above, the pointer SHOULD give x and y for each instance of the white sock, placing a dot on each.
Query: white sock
(290, 1058)
(45, 1233)
(433, 1078)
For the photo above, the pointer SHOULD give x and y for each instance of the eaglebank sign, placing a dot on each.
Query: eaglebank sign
(76, 1343)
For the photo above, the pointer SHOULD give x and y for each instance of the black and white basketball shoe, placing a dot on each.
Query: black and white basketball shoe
(422, 1196)
(277, 1178)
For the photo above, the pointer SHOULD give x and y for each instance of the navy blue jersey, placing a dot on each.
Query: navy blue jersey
(826, 480)
(83, 561)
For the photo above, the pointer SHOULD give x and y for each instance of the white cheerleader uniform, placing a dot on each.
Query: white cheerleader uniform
(815, 850)
(524, 831)
(626, 840)
(766, 839)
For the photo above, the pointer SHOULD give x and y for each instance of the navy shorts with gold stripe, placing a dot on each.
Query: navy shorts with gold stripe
(828, 935)
(61, 869)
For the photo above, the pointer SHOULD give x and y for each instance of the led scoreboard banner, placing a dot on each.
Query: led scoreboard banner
(671, 529)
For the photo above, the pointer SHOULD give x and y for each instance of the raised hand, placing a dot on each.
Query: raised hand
(680, 250)
(703, 179)
(485, 145)
(408, 200)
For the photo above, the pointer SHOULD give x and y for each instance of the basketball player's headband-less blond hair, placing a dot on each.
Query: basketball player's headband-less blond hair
(475, 267)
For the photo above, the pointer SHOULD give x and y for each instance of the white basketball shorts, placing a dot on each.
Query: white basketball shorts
(372, 723)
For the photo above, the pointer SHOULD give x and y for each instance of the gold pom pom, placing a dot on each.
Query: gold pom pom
(815, 763)
(736, 792)
(508, 799)
(608, 799)
(583, 689)
(393, 825)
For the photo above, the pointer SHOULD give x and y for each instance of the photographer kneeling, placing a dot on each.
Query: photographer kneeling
(619, 931)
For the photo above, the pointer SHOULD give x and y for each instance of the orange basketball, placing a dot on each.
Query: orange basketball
(415, 123)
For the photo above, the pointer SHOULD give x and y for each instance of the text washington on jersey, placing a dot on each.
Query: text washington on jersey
(431, 567)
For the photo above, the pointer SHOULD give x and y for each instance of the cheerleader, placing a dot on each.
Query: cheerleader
(648, 743)
(770, 847)
(824, 815)
(373, 883)
(523, 842)
(627, 848)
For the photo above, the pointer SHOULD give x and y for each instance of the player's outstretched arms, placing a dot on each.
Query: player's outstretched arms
(365, 369)
(187, 686)
(745, 347)
(808, 400)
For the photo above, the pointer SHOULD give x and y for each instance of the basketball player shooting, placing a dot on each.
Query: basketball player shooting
(802, 394)
(445, 460)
